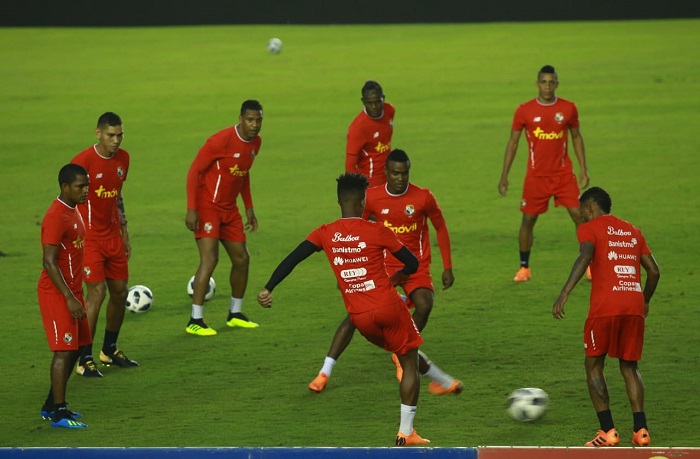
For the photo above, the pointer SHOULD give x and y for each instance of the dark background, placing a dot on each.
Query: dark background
(99, 13)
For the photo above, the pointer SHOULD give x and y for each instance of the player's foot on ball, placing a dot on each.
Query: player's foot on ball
(436, 388)
(408, 440)
(523, 275)
(319, 383)
(641, 437)
(88, 369)
(609, 438)
(399, 370)
(238, 319)
(118, 358)
(199, 328)
(589, 276)
(63, 417)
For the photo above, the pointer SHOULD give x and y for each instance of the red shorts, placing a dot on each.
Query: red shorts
(390, 327)
(538, 190)
(63, 332)
(621, 337)
(218, 224)
(419, 279)
(105, 259)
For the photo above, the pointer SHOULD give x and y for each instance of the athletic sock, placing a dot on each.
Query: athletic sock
(328, 365)
(236, 305)
(48, 404)
(640, 420)
(109, 346)
(87, 354)
(197, 312)
(606, 420)
(408, 414)
(525, 259)
(434, 373)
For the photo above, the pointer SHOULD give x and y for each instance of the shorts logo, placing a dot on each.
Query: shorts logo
(208, 227)
(67, 338)
(523, 203)
(87, 271)
(410, 210)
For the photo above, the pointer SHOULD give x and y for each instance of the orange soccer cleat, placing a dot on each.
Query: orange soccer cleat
(408, 440)
(436, 388)
(319, 383)
(523, 275)
(609, 438)
(641, 437)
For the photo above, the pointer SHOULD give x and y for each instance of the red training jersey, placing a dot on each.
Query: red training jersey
(63, 227)
(221, 171)
(369, 143)
(107, 176)
(547, 130)
(617, 281)
(355, 250)
(407, 216)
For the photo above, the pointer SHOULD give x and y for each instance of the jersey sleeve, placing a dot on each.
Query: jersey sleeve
(200, 164)
(52, 230)
(434, 213)
(353, 148)
(585, 233)
(519, 118)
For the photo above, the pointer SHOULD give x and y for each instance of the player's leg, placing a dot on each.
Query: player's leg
(208, 248)
(341, 340)
(116, 308)
(409, 389)
(635, 393)
(598, 391)
(61, 367)
(422, 299)
(238, 278)
(535, 201)
(96, 292)
(567, 195)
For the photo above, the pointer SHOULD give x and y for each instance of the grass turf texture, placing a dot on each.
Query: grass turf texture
(455, 88)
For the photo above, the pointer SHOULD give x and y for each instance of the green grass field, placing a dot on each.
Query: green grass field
(455, 87)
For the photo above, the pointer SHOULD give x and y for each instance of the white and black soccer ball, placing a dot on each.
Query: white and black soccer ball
(139, 299)
(274, 46)
(211, 288)
(527, 404)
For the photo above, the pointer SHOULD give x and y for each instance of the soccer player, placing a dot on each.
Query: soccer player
(404, 208)
(219, 173)
(60, 291)
(547, 120)
(615, 250)
(369, 135)
(107, 246)
(355, 249)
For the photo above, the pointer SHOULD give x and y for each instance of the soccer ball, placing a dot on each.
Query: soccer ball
(139, 299)
(211, 288)
(274, 46)
(527, 404)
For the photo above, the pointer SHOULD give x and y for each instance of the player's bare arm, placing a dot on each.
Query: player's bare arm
(124, 229)
(251, 220)
(511, 149)
(577, 271)
(653, 275)
(580, 151)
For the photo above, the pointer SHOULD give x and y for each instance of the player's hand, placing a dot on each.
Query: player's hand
(646, 309)
(251, 221)
(503, 186)
(398, 278)
(77, 311)
(192, 220)
(447, 279)
(558, 307)
(583, 180)
(265, 298)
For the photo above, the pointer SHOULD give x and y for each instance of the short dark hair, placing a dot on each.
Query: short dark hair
(599, 196)
(397, 156)
(352, 185)
(108, 119)
(546, 69)
(250, 104)
(371, 85)
(70, 172)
